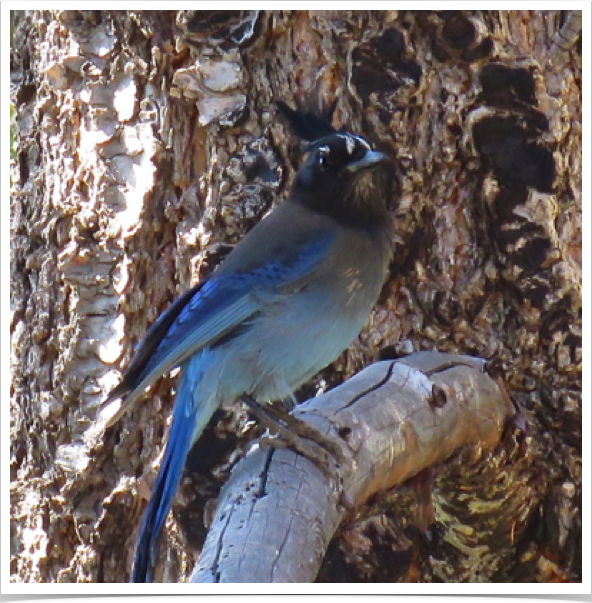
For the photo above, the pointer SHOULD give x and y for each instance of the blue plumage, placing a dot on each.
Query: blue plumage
(286, 302)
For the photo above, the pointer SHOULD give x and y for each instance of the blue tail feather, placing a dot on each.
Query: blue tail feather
(189, 420)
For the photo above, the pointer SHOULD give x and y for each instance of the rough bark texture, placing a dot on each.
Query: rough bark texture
(147, 142)
(278, 510)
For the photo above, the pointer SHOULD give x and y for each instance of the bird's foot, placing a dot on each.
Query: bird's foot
(298, 435)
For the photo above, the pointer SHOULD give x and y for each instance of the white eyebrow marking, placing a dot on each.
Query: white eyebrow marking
(350, 142)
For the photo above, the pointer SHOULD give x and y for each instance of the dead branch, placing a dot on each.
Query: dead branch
(278, 511)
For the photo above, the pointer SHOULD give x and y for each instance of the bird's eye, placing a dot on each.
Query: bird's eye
(324, 158)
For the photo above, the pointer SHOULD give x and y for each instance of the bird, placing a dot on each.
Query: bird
(287, 300)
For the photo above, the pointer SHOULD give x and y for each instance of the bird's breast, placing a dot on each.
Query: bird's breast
(303, 325)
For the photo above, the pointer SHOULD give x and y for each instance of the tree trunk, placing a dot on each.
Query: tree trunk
(147, 144)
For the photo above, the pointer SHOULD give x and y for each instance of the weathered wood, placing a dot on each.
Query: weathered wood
(278, 511)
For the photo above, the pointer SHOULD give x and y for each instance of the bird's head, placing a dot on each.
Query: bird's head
(343, 175)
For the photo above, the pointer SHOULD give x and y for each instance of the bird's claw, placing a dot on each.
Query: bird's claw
(298, 435)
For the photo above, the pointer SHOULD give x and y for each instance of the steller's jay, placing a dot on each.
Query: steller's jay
(288, 299)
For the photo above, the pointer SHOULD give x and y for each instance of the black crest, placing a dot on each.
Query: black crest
(308, 124)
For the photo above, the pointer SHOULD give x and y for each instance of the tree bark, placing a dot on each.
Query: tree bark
(147, 144)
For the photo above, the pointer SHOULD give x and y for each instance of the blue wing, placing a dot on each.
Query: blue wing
(209, 311)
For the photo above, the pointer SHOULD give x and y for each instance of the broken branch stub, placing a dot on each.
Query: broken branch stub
(278, 511)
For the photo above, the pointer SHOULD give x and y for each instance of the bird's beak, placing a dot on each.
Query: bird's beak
(370, 159)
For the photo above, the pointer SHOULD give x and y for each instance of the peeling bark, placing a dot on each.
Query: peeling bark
(147, 144)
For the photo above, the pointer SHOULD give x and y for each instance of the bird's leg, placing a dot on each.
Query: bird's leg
(296, 434)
